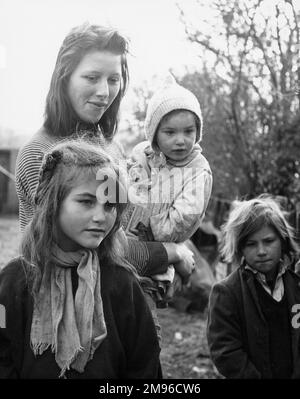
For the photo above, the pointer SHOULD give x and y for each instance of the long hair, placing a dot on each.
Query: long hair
(246, 218)
(60, 118)
(68, 164)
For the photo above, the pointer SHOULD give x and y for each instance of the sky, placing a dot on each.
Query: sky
(31, 32)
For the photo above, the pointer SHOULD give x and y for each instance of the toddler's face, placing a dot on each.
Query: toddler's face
(176, 135)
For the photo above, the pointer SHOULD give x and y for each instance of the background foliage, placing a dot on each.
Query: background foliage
(247, 83)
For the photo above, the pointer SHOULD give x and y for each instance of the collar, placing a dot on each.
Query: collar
(158, 160)
(278, 290)
(282, 269)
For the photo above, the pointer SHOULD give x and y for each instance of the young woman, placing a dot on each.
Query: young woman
(88, 82)
(252, 323)
(74, 306)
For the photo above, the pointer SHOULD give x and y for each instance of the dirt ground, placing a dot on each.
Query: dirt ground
(184, 347)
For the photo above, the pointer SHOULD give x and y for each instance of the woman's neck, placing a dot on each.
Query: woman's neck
(86, 126)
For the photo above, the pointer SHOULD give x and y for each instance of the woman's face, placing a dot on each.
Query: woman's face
(262, 251)
(94, 84)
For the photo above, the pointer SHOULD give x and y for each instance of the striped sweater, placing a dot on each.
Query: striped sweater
(146, 257)
(27, 172)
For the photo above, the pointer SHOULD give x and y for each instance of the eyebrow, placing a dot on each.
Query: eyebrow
(172, 128)
(86, 194)
(99, 72)
(263, 238)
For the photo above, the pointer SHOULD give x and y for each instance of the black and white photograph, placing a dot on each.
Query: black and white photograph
(150, 192)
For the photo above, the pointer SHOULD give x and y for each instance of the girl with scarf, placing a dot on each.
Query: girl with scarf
(74, 306)
(88, 83)
(253, 328)
(171, 179)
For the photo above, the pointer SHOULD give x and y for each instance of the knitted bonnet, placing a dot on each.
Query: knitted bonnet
(170, 97)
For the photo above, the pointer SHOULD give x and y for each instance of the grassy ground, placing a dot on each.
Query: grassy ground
(184, 346)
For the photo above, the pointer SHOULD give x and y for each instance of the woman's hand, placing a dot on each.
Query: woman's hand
(175, 287)
(182, 258)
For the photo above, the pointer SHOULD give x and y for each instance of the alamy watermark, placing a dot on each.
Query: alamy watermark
(143, 187)
(296, 317)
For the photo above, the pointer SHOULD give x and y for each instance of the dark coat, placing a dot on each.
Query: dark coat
(237, 331)
(130, 350)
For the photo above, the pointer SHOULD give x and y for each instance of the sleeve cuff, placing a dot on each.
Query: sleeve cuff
(158, 258)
